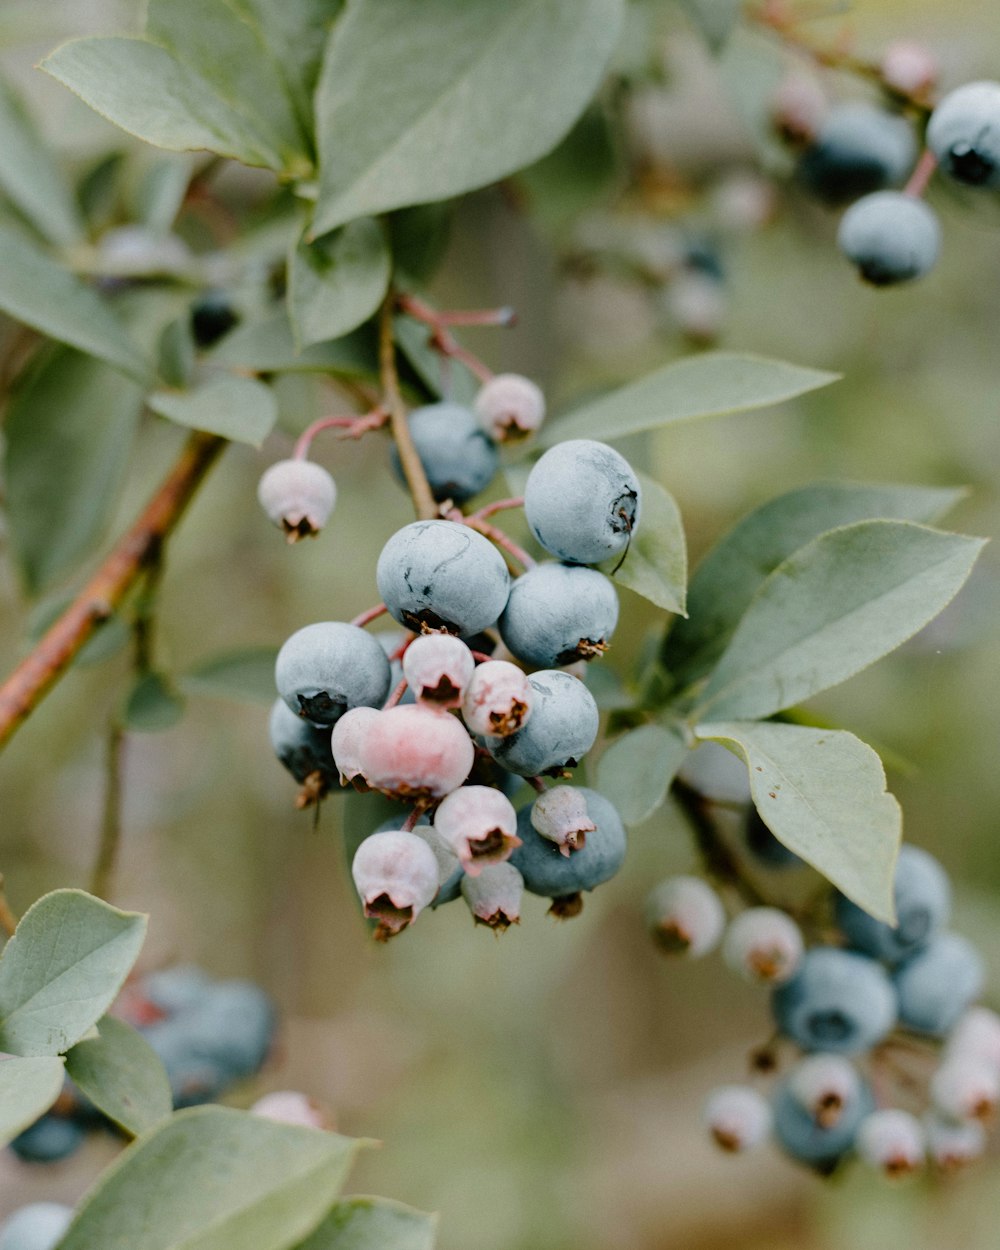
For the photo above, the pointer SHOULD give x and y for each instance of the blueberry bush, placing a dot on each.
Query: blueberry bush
(500, 676)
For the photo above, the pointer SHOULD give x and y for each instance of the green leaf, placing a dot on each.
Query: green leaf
(373, 1224)
(421, 102)
(31, 178)
(161, 192)
(268, 347)
(177, 354)
(831, 609)
(822, 794)
(656, 564)
(69, 432)
(122, 1076)
(43, 295)
(238, 408)
(145, 90)
(211, 1178)
(714, 19)
(712, 384)
(635, 772)
(441, 377)
(28, 1087)
(338, 282)
(153, 705)
(731, 574)
(246, 675)
(62, 969)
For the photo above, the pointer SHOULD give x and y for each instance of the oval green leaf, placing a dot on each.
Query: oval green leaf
(122, 1075)
(635, 772)
(242, 409)
(373, 1224)
(269, 347)
(28, 1087)
(336, 283)
(656, 564)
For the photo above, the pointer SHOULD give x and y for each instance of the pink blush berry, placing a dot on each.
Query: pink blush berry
(410, 752)
(561, 816)
(498, 700)
(287, 1106)
(298, 496)
(479, 824)
(494, 896)
(909, 67)
(509, 407)
(438, 668)
(396, 875)
(347, 743)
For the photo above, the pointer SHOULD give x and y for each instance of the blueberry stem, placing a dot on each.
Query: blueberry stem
(413, 469)
(496, 535)
(352, 426)
(397, 694)
(442, 340)
(922, 174)
(501, 505)
(369, 615)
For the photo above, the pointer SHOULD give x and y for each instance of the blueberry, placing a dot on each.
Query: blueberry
(212, 317)
(938, 983)
(548, 872)
(806, 1140)
(892, 1141)
(738, 1117)
(194, 1077)
(561, 729)
(442, 575)
(303, 748)
(179, 988)
(891, 237)
(494, 896)
(858, 149)
(458, 457)
(582, 501)
(324, 669)
(298, 496)
(37, 1226)
(233, 1026)
(964, 134)
(685, 916)
(763, 944)
(923, 906)
(837, 1001)
(510, 407)
(558, 614)
(396, 875)
(48, 1140)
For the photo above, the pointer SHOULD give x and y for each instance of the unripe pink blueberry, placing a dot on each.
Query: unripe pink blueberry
(965, 1089)
(509, 407)
(738, 1117)
(909, 67)
(976, 1037)
(494, 895)
(347, 744)
(825, 1086)
(799, 107)
(298, 496)
(287, 1106)
(396, 875)
(952, 1145)
(697, 304)
(479, 824)
(410, 752)
(892, 1141)
(561, 816)
(498, 700)
(763, 944)
(686, 916)
(438, 668)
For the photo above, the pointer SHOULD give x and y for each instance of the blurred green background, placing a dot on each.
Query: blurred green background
(544, 1090)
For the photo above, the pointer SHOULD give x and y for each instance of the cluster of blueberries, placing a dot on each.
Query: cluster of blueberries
(879, 1016)
(482, 689)
(858, 154)
(209, 1035)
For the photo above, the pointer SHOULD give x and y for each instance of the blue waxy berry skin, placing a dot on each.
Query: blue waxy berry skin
(459, 459)
(582, 501)
(324, 669)
(859, 149)
(442, 575)
(938, 983)
(838, 1001)
(964, 134)
(561, 729)
(923, 906)
(558, 614)
(891, 237)
(548, 872)
(302, 747)
(37, 1226)
(48, 1140)
(807, 1141)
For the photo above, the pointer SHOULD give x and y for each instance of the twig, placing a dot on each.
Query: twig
(413, 470)
(40, 670)
(111, 823)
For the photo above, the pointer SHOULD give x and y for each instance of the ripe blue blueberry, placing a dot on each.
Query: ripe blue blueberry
(808, 1141)
(561, 729)
(302, 747)
(442, 575)
(891, 237)
(37, 1226)
(234, 1026)
(964, 134)
(194, 1076)
(548, 872)
(48, 1140)
(923, 906)
(324, 669)
(938, 983)
(558, 614)
(582, 501)
(179, 988)
(458, 458)
(837, 1001)
(858, 149)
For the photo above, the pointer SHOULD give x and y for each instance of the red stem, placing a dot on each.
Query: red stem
(370, 615)
(502, 505)
(397, 694)
(496, 535)
(353, 427)
(922, 174)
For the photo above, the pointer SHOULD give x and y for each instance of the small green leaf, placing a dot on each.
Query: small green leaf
(822, 794)
(656, 564)
(418, 102)
(731, 574)
(153, 705)
(246, 675)
(714, 19)
(635, 772)
(238, 408)
(31, 178)
(712, 384)
(37, 291)
(211, 1178)
(338, 282)
(28, 1087)
(122, 1076)
(69, 432)
(161, 192)
(268, 347)
(831, 609)
(62, 969)
(373, 1224)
